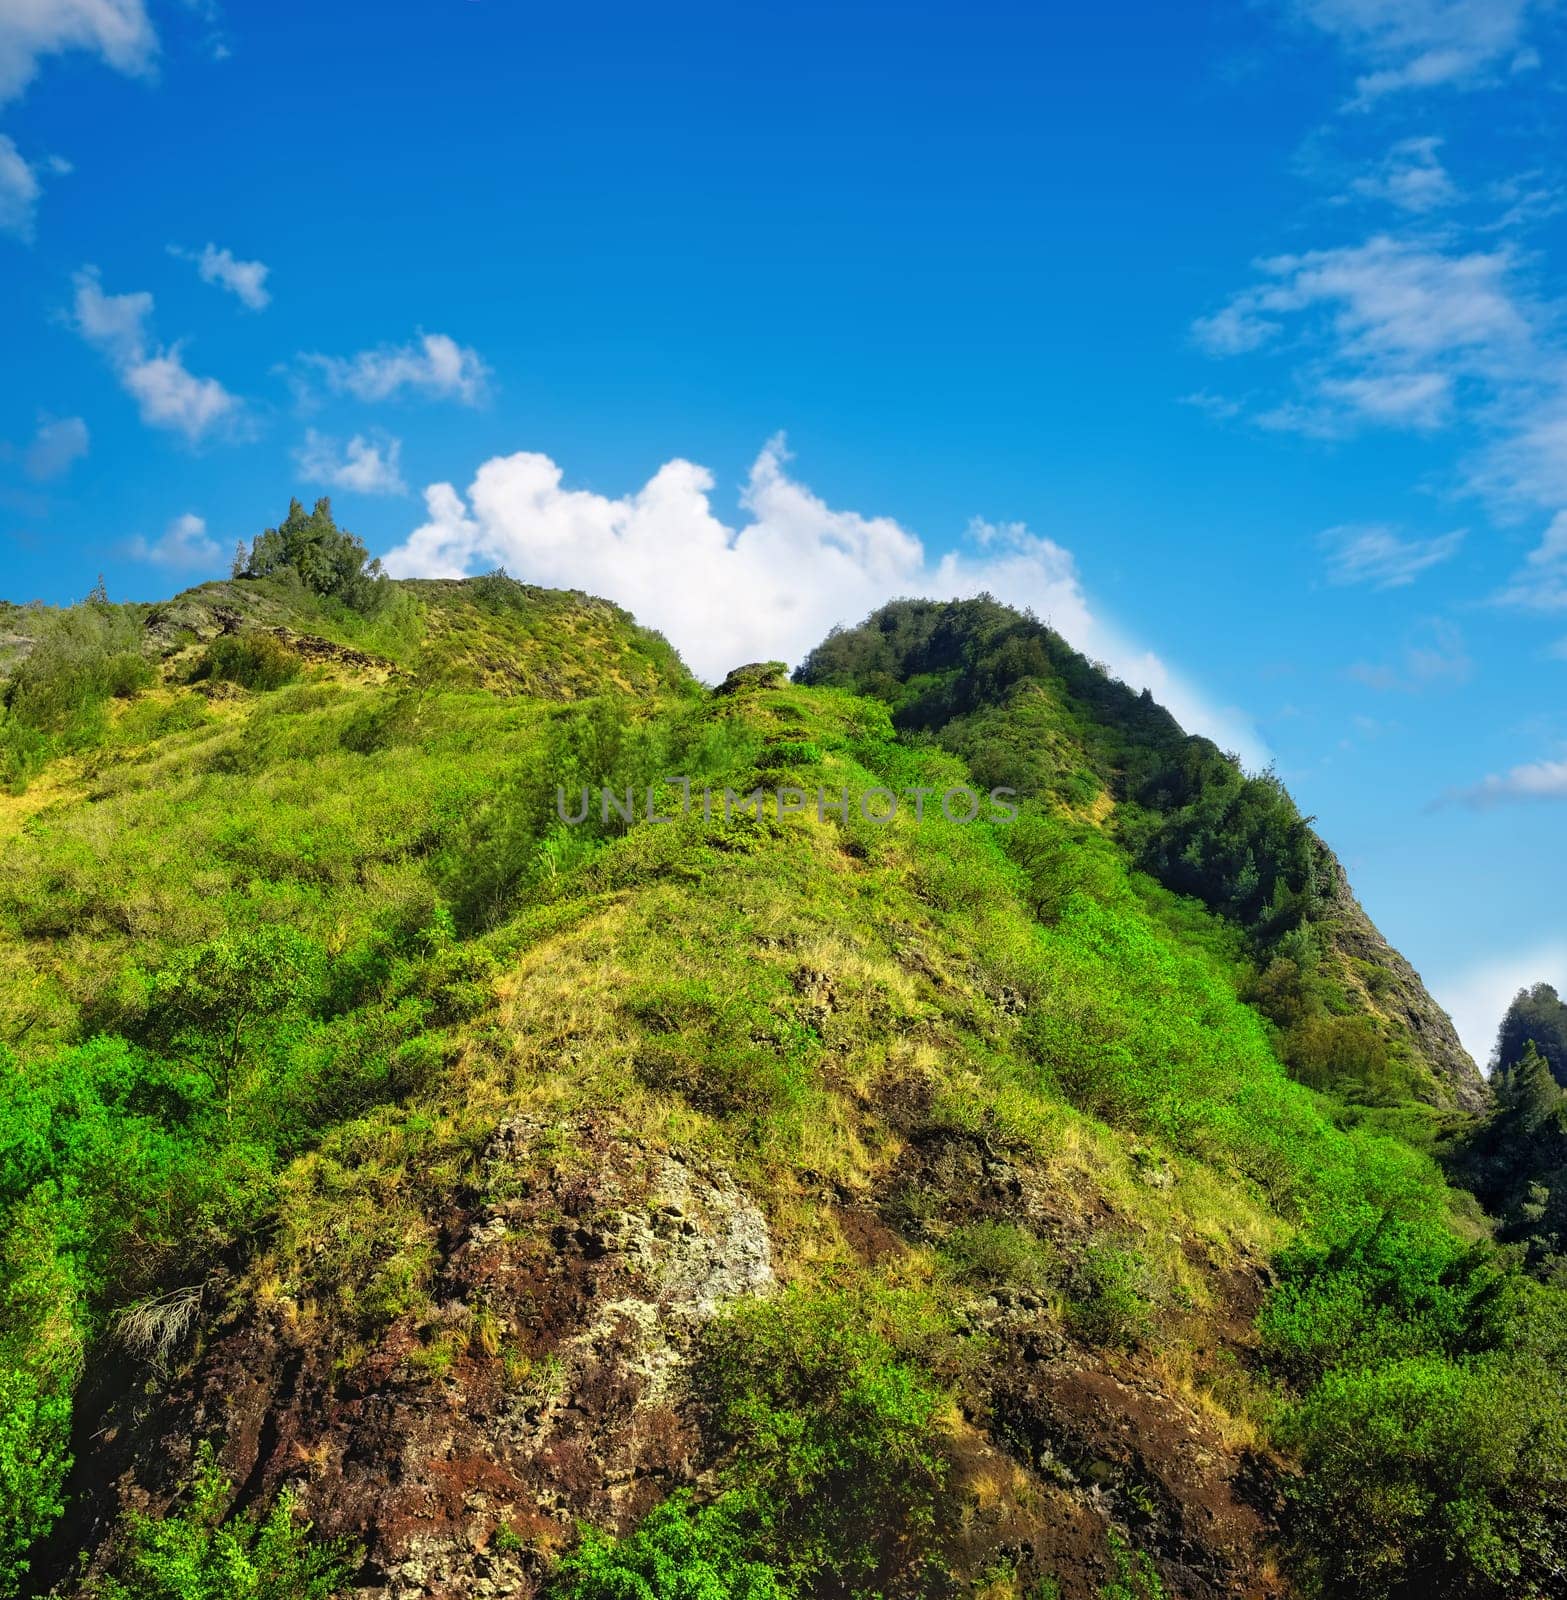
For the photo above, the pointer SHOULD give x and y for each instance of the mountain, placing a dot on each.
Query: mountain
(408, 1191)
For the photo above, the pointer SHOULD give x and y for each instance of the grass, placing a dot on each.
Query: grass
(766, 993)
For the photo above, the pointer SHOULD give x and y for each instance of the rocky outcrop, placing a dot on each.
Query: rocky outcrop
(1400, 996)
(544, 1388)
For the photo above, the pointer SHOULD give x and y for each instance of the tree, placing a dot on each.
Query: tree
(1538, 1016)
(326, 559)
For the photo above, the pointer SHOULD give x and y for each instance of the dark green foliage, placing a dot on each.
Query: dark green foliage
(202, 1551)
(1108, 1301)
(1002, 1253)
(1515, 1160)
(1432, 1427)
(253, 659)
(1427, 1477)
(323, 558)
(1537, 1016)
(1237, 843)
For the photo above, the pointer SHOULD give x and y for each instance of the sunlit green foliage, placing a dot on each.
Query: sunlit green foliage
(204, 1551)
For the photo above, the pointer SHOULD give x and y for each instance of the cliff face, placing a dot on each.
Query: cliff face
(1399, 995)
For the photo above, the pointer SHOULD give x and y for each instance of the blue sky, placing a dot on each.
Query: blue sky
(1230, 337)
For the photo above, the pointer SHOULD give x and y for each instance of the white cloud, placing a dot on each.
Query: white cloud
(1410, 176)
(184, 544)
(1477, 997)
(771, 587)
(58, 442)
(370, 466)
(1375, 554)
(19, 191)
(434, 365)
(1390, 333)
(1536, 780)
(1541, 583)
(117, 30)
(245, 280)
(166, 392)
(1424, 44)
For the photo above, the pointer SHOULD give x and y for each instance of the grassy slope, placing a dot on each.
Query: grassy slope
(767, 991)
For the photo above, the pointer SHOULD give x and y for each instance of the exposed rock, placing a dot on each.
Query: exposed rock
(568, 1305)
(755, 675)
(1401, 995)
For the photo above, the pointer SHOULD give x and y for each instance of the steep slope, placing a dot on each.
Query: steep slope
(768, 1201)
(1005, 690)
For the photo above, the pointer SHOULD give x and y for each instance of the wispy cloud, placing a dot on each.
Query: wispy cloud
(245, 280)
(1541, 583)
(367, 465)
(167, 394)
(1435, 655)
(1410, 176)
(433, 365)
(184, 545)
(773, 585)
(1387, 329)
(1376, 555)
(58, 443)
(118, 31)
(19, 192)
(1538, 780)
(1427, 44)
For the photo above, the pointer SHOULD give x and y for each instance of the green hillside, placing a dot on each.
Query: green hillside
(407, 1192)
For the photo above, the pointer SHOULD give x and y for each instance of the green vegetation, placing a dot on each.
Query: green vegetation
(204, 1552)
(275, 961)
(1537, 1017)
(322, 558)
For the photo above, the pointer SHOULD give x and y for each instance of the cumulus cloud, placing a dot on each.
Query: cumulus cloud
(167, 394)
(58, 443)
(1426, 44)
(774, 585)
(245, 280)
(1476, 997)
(184, 545)
(433, 365)
(117, 30)
(1536, 780)
(1376, 555)
(1410, 176)
(366, 465)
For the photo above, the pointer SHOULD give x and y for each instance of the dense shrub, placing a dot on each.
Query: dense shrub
(678, 1552)
(56, 700)
(832, 1441)
(202, 1551)
(34, 1433)
(320, 556)
(253, 659)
